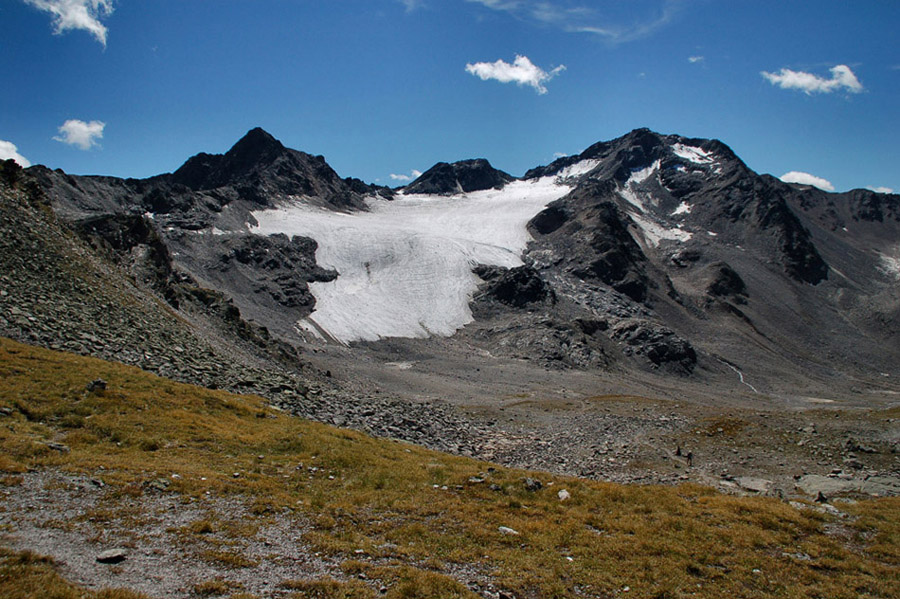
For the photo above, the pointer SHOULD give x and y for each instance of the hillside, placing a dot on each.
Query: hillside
(202, 493)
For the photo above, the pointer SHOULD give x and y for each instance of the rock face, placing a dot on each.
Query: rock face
(459, 177)
(594, 242)
(659, 344)
(258, 168)
(724, 282)
(687, 256)
(517, 287)
(268, 277)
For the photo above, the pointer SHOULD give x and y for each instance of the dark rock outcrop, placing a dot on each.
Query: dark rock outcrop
(658, 344)
(518, 287)
(275, 265)
(724, 282)
(261, 170)
(594, 243)
(459, 177)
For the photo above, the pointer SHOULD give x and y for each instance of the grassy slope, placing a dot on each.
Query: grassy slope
(386, 498)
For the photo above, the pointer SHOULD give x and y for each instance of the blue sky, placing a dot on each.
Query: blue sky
(382, 87)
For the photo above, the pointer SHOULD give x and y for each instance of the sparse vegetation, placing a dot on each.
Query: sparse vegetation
(214, 588)
(328, 588)
(405, 517)
(26, 575)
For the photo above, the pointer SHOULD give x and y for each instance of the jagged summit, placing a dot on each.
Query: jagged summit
(640, 149)
(256, 146)
(208, 171)
(459, 177)
(261, 167)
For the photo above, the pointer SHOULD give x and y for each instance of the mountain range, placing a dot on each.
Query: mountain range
(653, 253)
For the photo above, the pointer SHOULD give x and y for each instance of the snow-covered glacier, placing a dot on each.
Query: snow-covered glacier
(405, 265)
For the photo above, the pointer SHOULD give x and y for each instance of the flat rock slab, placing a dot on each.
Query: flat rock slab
(882, 486)
(757, 485)
(112, 556)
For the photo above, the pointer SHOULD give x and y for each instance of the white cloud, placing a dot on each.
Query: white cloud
(576, 17)
(695, 59)
(81, 134)
(559, 154)
(414, 174)
(841, 77)
(522, 72)
(9, 150)
(77, 14)
(881, 189)
(412, 5)
(807, 179)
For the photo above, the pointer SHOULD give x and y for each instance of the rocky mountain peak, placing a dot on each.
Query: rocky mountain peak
(256, 146)
(261, 169)
(254, 151)
(640, 149)
(458, 177)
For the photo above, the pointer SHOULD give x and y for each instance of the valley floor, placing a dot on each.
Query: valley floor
(630, 428)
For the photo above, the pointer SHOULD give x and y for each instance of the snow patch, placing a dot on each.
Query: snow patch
(641, 175)
(405, 266)
(890, 265)
(632, 197)
(683, 208)
(638, 176)
(654, 233)
(399, 365)
(693, 154)
(578, 169)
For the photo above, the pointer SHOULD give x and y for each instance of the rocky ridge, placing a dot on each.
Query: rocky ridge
(688, 257)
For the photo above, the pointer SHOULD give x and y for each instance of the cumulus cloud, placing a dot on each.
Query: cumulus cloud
(696, 59)
(881, 189)
(81, 134)
(521, 72)
(807, 179)
(77, 14)
(575, 16)
(841, 77)
(414, 174)
(9, 150)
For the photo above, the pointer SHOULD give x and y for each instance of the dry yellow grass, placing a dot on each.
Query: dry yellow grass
(26, 575)
(375, 498)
